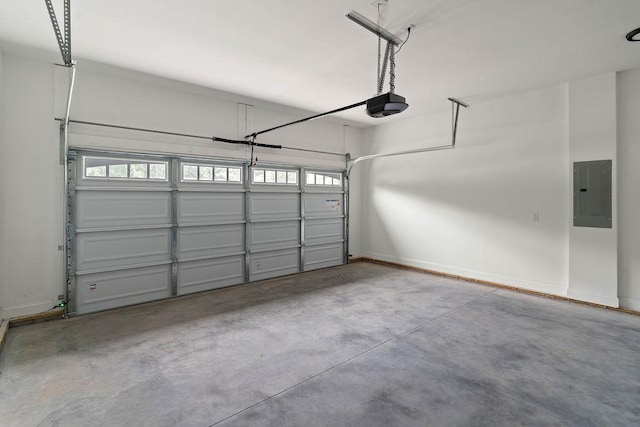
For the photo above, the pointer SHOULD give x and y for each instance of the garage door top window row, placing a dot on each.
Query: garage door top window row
(124, 169)
(156, 170)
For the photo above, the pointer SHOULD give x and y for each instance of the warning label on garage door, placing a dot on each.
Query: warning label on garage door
(334, 205)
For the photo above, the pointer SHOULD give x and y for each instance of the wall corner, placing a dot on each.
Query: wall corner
(593, 252)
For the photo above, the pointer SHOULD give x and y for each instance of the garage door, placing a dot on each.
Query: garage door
(324, 220)
(144, 228)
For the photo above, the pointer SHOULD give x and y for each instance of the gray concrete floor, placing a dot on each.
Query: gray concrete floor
(358, 345)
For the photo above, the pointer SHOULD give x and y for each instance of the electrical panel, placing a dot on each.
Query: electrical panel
(592, 194)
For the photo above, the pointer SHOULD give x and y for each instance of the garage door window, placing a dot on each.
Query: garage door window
(118, 169)
(209, 173)
(324, 179)
(274, 176)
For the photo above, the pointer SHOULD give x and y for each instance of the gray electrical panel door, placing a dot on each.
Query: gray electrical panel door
(592, 194)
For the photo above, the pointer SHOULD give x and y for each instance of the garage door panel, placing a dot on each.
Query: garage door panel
(122, 248)
(274, 235)
(102, 291)
(317, 231)
(101, 209)
(323, 204)
(265, 265)
(210, 241)
(197, 276)
(274, 206)
(323, 256)
(201, 207)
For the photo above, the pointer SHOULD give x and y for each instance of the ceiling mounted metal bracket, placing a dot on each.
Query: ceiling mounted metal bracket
(455, 106)
(374, 28)
(64, 43)
(455, 112)
(389, 103)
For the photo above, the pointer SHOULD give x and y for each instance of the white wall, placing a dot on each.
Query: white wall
(499, 206)
(471, 211)
(34, 92)
(628, 193)
(32, 195)
(593, 252)
(1, 193)
(110, 95)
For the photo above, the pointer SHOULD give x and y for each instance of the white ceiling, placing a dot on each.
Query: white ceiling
(306, 54)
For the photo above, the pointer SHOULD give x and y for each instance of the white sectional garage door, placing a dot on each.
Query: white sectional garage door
(144, 228)
(324, 220)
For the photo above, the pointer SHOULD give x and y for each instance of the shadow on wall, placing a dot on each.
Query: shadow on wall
(464, 206)
(383, 233)
(497, 207)
(491, 191)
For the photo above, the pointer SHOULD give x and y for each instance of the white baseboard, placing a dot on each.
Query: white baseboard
(26, 310)
(630, 303)
(595, 299)
(545, 288)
